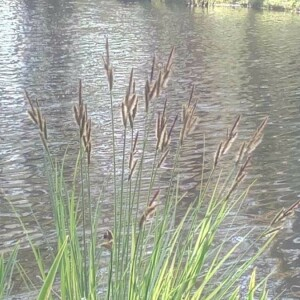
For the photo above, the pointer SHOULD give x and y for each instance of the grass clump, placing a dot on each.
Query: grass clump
(157, 246)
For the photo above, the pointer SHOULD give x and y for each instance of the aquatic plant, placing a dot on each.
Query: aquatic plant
(158, 246)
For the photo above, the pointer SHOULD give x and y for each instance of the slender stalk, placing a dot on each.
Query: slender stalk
(92, 271)
(130, 212)
(121, 225)
(110, 276)
(85, 275)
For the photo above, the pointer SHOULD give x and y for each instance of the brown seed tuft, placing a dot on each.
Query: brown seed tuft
(132, 168)
(159, 84)
(150, 210)
(135, 142)
(134, 108)
(130, 86)
(231, 136)
(257, 136)
(240, 154)
(284, 213)
(218, 154)
(189, 119)
(108, 237)
(107, 66)
(45, 129)
(124, 114)
(80, 93)
(165, 79)
(32, 117)
(152, 90)
(170, 59)
(110, 75)
(147, 98)
(37, 118)
(243, 168)
(163, 158)
(152, 68)
(191, 95)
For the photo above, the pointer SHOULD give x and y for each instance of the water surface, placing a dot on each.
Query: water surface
(241, 62)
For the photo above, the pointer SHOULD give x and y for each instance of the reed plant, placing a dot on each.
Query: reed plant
(157, 246)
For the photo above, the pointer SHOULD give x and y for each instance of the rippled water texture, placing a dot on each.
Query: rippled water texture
(241, 61)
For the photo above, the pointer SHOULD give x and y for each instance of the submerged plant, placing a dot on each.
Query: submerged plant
(157, 247)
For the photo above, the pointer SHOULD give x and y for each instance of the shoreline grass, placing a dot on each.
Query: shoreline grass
(153, 250)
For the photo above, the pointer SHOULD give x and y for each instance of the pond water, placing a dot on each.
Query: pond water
(241, 61)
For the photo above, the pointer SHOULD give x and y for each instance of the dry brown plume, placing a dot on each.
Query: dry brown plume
(190, 121)
(108, 240)
(108, 67)
(150, 210)
(283, 213)
(84, 123)
(225, 145)
(154, 87)
(38, 119)
(132, 161)
(162, 134)
(257, 136)
(129, 104)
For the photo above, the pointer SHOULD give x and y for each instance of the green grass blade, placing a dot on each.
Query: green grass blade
(48, 283)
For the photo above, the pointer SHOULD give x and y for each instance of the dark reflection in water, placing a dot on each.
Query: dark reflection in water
(242, 62)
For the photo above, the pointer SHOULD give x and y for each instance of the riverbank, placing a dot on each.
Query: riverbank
(278, 5)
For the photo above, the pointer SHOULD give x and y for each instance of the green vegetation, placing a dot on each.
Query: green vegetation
(7, 265)
(157, 246)
(293, 5)
(268, 4)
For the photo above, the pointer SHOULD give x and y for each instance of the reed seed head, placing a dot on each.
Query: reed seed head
(110, 75)
(33, 116)
(37, 118)
(218, 154)
(189, 120)
(152, 68)
(159, 84)
(107, 51)
(132, 168)
(191, 95)
(135, 142)
(163, 158)
(150, 210)
(170, 59)
(153, 89)
(131, 81)
(80, 93)
(107, 66)
(241, 153)
(257, 136)
(147, 99)
(284, 213)
(108, 240)
(124, 112)
(165, 79)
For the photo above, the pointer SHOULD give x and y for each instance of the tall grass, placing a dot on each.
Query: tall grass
(157, 246)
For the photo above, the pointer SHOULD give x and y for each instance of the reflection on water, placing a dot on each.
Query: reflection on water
(242, 62)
